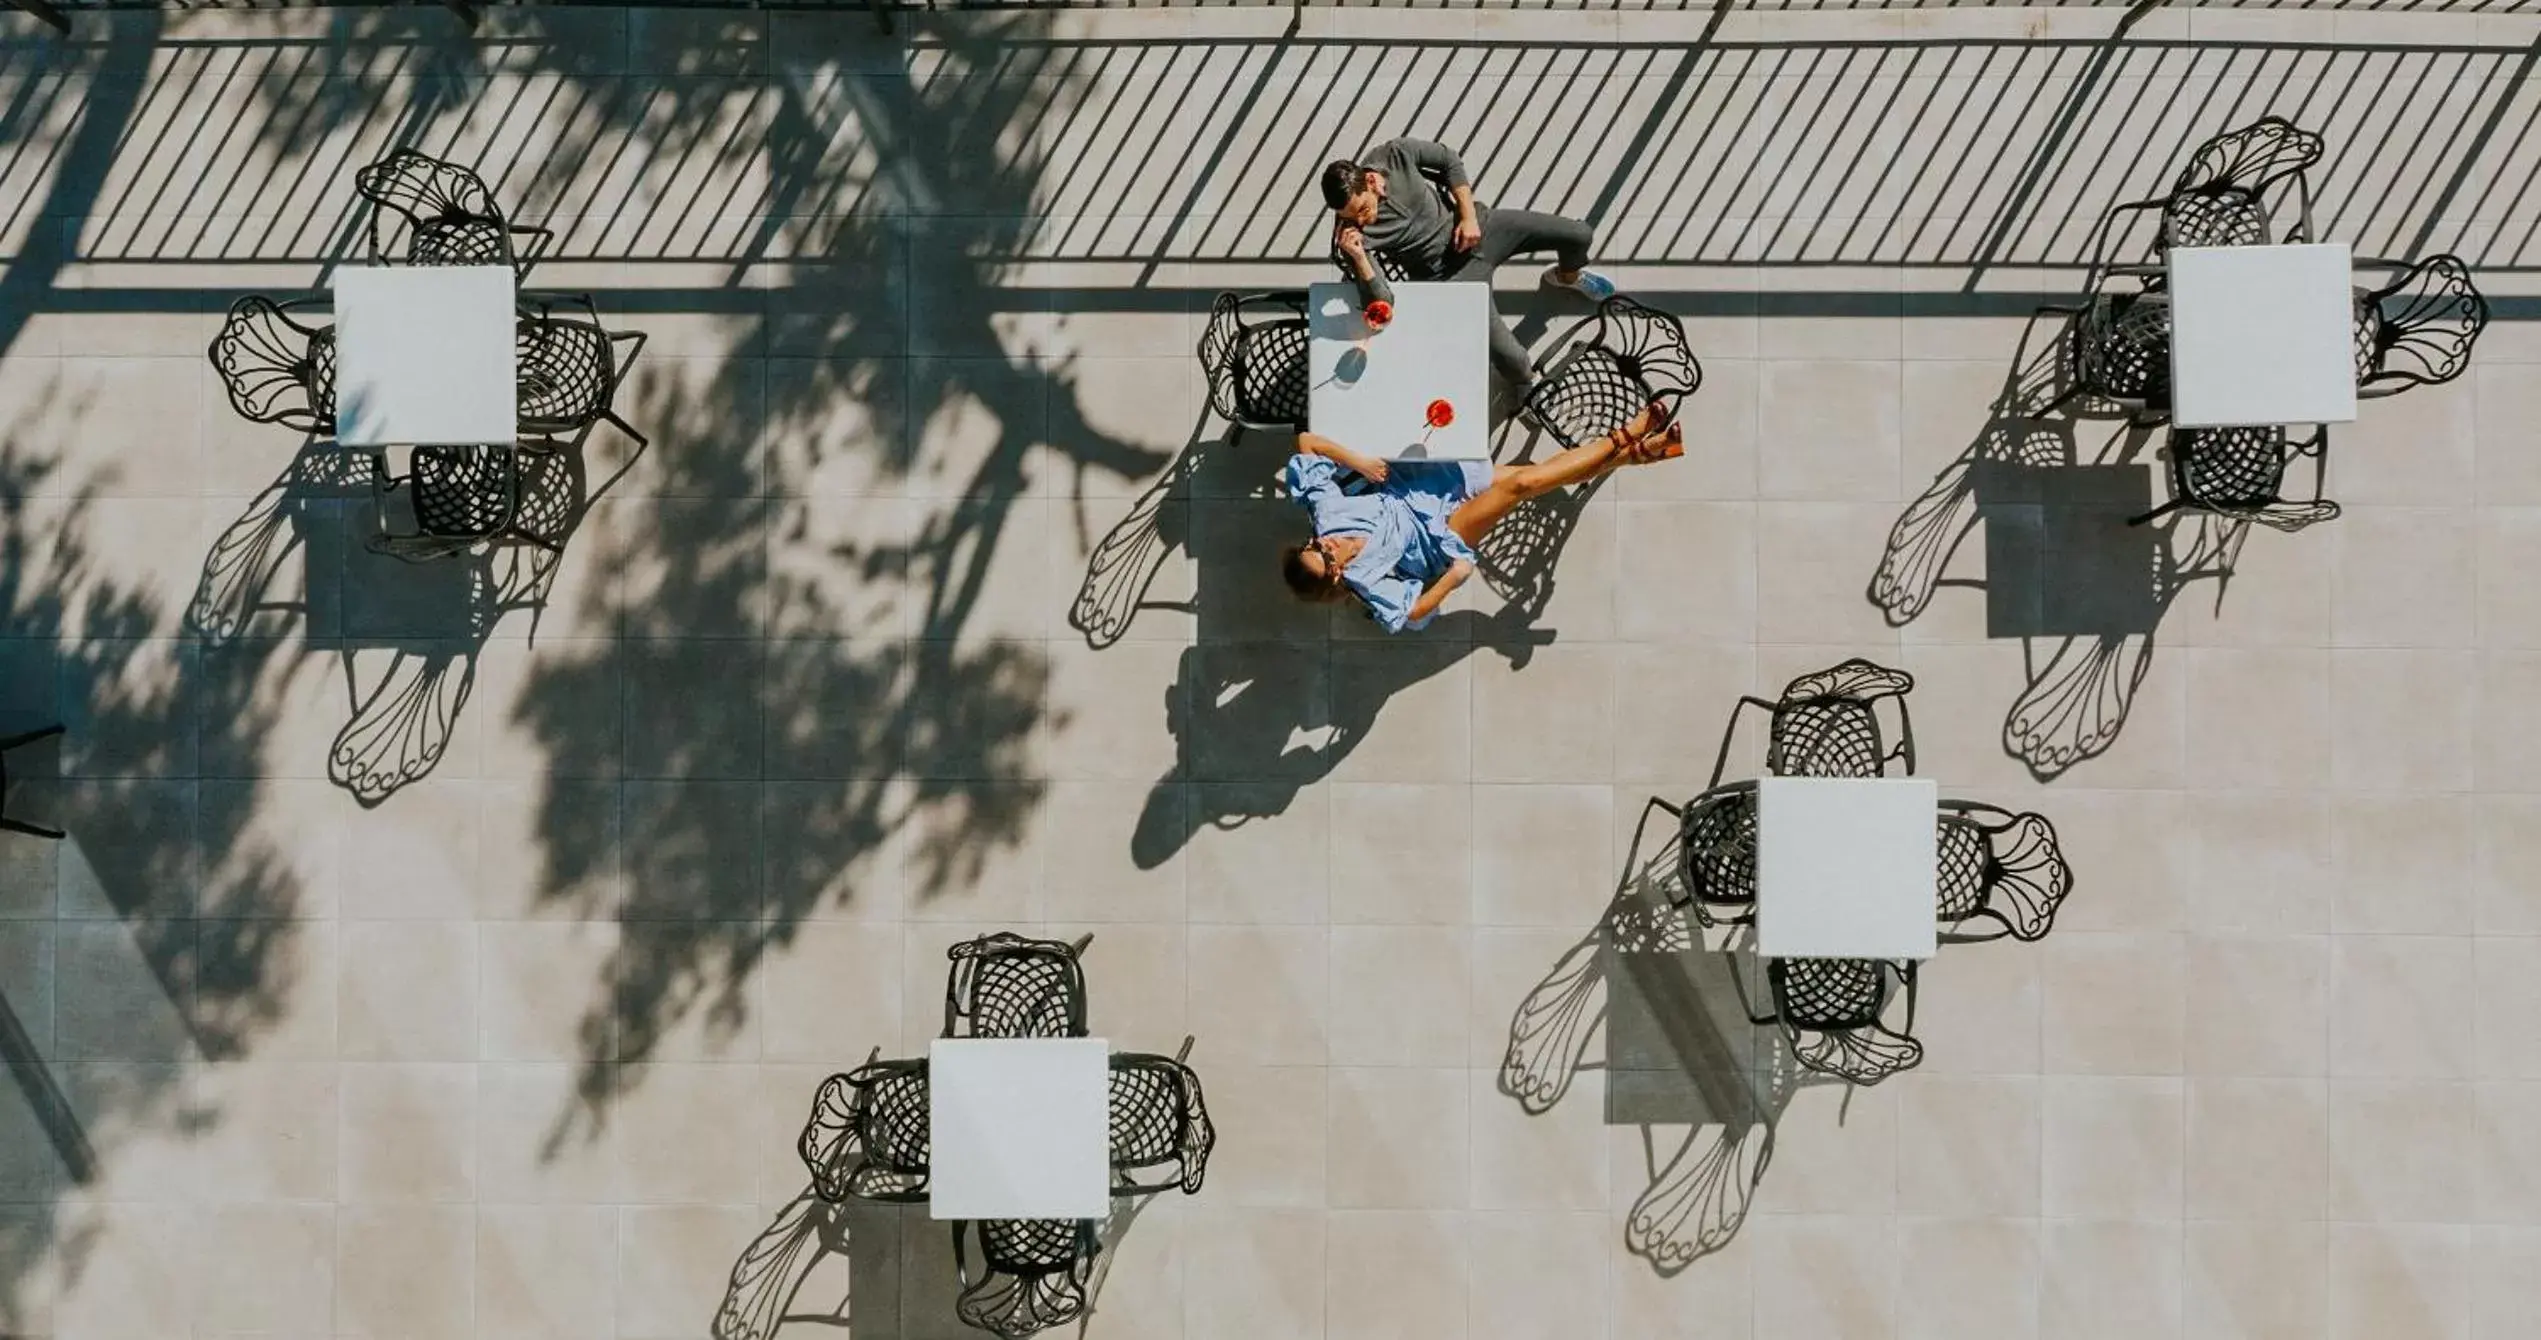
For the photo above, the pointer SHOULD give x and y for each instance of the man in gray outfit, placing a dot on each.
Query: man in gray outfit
(1385, 206)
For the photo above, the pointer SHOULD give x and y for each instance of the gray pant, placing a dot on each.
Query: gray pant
(1508, 233)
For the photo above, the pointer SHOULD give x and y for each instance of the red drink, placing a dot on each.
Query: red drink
(1441, 414)
(1378, 314)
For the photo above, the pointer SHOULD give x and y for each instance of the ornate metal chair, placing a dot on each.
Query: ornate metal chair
(1007, 986)
(1256, 364)
(867, 1136)
(1612, 364)
(20, 825)
(2418, 329)
(277, 369)
(570, 368)
(2228, 194)
(1158, 1119)
(2239, 474)
(2117, 349)
(1032, 1273)
(1827, 724)
(1999, 867)
(1716, 853)
(1832, 1012)
(428, 212)
(459, 498)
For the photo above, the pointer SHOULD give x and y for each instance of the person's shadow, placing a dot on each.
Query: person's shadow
(1265, 706)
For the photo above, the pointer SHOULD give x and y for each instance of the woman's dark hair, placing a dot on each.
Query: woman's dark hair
(1342, 179)
(1305, 581)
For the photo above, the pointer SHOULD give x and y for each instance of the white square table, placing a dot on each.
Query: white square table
(424, 354)
(1019, 1128)
(1845, 868)
(2262, 335)
(1370, 390)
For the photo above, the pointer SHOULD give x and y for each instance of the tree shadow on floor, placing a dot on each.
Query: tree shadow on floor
(2084, 590)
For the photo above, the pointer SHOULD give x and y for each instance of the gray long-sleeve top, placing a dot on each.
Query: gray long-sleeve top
(1415, 226)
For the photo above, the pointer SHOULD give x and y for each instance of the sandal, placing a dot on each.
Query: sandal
(1666, 446)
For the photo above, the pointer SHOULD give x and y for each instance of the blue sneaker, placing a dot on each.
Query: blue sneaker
(1590, 284)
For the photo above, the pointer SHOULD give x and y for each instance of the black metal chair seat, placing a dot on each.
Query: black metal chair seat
(1008, 986)
(1158, 1119)
(1255, 364)
(1826, 992)
(2230, 467)
(2121, 349)
(1959, 868)
(570, 367)
(2224, 217)
(463, 491)
(1716, 854)
(459, 239)
(1614, 363)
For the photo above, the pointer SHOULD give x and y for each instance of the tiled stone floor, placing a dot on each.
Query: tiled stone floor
(519, 1048)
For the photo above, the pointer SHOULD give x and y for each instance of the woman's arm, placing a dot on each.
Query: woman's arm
(1438, 591)
(1368, 467)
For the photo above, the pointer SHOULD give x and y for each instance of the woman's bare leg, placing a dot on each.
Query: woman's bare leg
(1514, 484)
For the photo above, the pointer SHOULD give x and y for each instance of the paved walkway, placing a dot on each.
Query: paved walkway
(454, 951)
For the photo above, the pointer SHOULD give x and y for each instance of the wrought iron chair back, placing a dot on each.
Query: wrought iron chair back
(430, 212)
(2418, 329)
(1624, 357)
(2221, 198)
(275, 368)
(1828, 724)
(1999, 873)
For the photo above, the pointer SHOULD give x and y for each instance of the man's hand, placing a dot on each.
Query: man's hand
(1468, 233)
(1368, 468)
(1346, 236)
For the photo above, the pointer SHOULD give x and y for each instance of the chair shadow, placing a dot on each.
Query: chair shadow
(1678, 1050)
(430, 621)
(868, 1269)
(2083, 590)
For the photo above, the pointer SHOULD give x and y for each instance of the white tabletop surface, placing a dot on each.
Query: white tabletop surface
(1370, 391)
(1020, 1128)
(423, 353)
(1845, 868)
(2262, 335)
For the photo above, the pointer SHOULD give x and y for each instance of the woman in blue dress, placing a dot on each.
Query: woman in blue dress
(1399, 535)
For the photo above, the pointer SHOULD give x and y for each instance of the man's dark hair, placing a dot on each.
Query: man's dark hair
(1342, 179)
